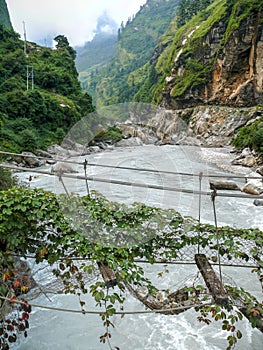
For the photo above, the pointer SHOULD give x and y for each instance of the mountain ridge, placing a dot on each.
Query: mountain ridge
(136, 42)
(192, 59)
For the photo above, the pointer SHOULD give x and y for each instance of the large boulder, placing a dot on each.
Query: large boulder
(247, 161)
(58, 151)
(61, 168)
(223, 185)
(130, 142)
(254, 184)
(30, 160)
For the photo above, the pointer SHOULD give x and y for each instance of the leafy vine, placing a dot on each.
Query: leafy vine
(109, 237)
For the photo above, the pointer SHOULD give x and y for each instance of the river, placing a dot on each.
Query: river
(60, 331)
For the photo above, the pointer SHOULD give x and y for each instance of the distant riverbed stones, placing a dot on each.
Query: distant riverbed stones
(254, 184)
(247, 158)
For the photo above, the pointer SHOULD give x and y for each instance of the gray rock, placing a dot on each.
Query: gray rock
(247, 161)
(61, 168)
(260, 170)
(223, 185)
(31, 161)
(131, 142)
(246, 152)
(42, 153)
(142, 293)
(58, 151)
(253, 187)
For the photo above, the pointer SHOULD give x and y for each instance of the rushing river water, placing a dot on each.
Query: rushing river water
(53, 330)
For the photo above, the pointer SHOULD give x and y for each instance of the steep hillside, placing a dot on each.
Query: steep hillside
(97, 53)
(40, 97)
(215, 58)
(93, 57)
(4, 15)
(123, 76)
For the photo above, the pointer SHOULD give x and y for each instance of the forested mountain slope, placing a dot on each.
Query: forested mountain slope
(123, 76)
(4, 15)
(97, 52)
(40, 96)
(210, 53)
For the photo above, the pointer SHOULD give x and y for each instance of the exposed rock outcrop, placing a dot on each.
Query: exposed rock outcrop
(232, 66)
(212, 126)
(130, 142)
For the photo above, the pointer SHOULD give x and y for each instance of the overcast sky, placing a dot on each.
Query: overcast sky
(76, 19)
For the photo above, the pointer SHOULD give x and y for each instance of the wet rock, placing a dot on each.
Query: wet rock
(31, 161)
(61, 168)
(223, 185)
(253, 187)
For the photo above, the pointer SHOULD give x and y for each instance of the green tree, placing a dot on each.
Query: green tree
(63, 44)
(28, 140)
(57, 100)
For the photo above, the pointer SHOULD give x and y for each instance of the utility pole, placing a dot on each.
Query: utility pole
(29, 75)
(25, 48)
(29, 69)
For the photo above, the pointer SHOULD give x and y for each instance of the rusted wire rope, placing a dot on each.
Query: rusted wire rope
(129, 183)
(16, 301)
(129, 168)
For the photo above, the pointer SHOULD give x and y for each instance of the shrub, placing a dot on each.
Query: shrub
(257, 140)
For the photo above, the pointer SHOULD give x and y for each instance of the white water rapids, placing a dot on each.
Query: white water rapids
(53, 330)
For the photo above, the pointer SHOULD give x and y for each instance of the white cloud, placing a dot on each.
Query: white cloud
(74, 18)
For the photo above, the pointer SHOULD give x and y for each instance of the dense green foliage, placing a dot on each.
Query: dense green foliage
(149, 50)
(38, 223)
(188, 8)
(250, 136)
(36, 113)
(4, 15)
(121, 78)
(6, 180)
(171, 47)
(111, 135)
(182, 46)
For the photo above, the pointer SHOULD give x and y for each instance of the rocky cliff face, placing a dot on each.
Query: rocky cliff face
(212, 126)
(236, 59)
(237, 75)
